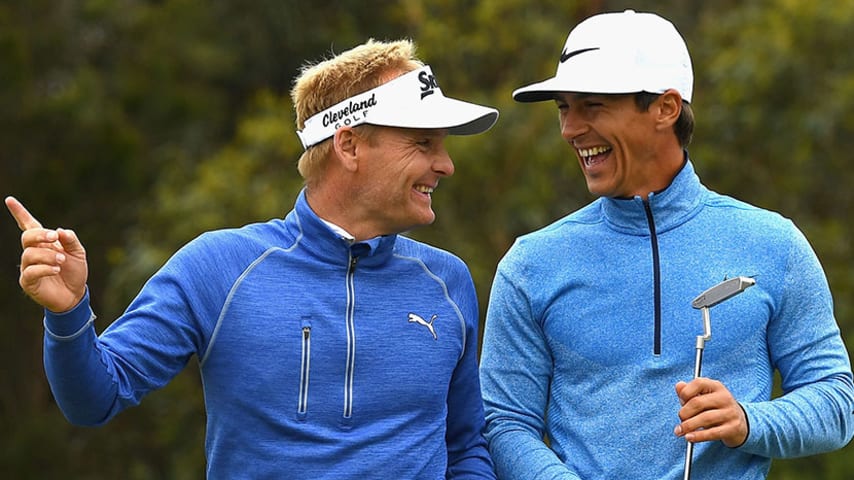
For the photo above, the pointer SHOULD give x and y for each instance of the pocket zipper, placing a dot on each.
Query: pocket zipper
(305, 368)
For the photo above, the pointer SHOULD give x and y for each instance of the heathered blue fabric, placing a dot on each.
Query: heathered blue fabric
(240, 300)
(569, 341)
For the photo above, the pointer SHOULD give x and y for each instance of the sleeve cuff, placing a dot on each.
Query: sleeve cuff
(67, 326)
(746, 420)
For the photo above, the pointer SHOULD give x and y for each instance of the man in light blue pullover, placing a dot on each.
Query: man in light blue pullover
(329, 346)
(590, 331)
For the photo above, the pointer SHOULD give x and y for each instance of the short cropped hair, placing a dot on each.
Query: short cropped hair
(321, 85)
(684, 126)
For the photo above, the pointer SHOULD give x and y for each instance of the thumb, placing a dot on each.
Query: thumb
(679, 387)
(70, 243)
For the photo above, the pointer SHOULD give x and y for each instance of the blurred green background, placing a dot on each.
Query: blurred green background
(141, 124)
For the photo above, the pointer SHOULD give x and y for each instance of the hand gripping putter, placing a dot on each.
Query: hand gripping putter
(706, 300)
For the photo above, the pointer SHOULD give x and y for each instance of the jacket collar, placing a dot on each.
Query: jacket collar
(670, 207)
(314, 235)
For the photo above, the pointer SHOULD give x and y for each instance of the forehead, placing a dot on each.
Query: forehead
(574, 97)
(437, 133)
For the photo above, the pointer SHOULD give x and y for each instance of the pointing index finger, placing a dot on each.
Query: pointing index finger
(24, 218)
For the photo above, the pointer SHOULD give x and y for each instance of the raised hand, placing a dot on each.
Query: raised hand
(53, 263)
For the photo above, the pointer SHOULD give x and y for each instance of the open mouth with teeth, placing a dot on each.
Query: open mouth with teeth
(426, 190)
(593, 155)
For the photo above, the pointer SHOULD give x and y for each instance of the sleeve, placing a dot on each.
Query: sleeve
(814, 414)
(468, 457)
(516, 372)
(95, 377)
(80, 381)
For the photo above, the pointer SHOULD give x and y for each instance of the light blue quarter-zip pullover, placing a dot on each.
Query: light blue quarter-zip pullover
(590, 326)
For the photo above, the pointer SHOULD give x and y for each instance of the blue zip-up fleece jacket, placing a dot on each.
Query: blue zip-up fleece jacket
(590, 326)
(319, 358)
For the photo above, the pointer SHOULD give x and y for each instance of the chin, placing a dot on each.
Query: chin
(600, 189)
(416, 222)
(595, 191)
(426, 220)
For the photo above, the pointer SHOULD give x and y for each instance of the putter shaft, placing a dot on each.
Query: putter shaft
(706, 300)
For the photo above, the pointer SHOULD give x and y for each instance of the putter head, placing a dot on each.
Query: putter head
(722, 291)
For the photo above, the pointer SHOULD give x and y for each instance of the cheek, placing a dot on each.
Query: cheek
(389, 174)
(407, 163)
(561, 118)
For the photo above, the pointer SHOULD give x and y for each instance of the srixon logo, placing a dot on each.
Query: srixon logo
(428, 84)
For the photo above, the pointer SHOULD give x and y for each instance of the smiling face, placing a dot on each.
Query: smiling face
(398, 169)
(622, 151)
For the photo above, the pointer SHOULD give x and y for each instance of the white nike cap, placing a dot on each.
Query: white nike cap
(625, 52)
(412, 100)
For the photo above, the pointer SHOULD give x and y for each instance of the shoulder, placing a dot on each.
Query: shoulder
(409, 247)
(260, 233)
(731, 212)
(437, 261)
(233, 245)
(556, 234)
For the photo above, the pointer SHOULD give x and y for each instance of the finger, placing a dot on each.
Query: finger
(699, 386)
(21, 215)
(686, 390)
(40, 238)
(715, 426)
(703, 420)
(680, 387)
(41, 256)
(31, 275)
(703, 403)
(706, 434)
(69, 241)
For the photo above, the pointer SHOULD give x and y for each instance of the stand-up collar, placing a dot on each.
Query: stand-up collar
(670, 207)
(314, 235)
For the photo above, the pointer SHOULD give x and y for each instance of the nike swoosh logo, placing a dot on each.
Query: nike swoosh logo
(564, 56)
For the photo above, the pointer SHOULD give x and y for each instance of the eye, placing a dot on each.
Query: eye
(424, 142)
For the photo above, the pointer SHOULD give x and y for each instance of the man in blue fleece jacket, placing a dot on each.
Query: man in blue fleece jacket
(590, 326)
(329, 346)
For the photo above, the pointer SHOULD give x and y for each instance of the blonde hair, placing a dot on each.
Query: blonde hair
(321, 85)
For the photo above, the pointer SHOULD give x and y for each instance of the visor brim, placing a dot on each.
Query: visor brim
(457, 116)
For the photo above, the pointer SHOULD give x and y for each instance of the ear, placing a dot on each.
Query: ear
(668, 107)
(345, 144)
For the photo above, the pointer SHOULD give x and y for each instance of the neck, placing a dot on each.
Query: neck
(664, 170)
(336, 207)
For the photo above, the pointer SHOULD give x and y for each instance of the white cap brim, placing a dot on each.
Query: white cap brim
(618, 53)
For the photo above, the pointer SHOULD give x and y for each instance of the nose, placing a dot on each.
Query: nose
(442, 163)
(572, 124)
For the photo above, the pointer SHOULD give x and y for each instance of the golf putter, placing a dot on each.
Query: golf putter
(706, 300)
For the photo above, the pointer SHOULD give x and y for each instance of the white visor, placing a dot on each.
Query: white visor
(412, 100)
